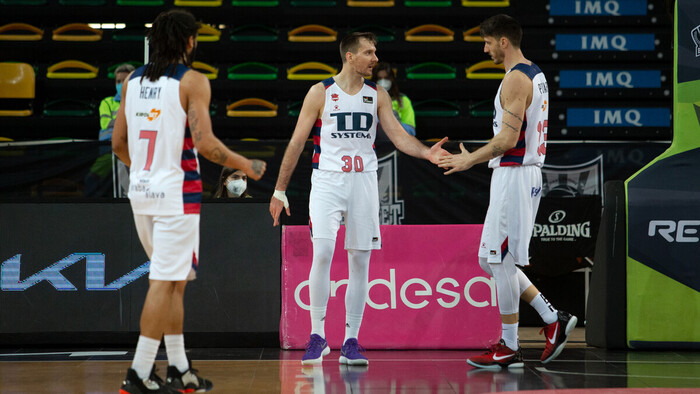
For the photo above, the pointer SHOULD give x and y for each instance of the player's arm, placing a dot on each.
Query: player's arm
(517, 88)
(403, 141)
(120, 144)
(311, 110)
(195, 94)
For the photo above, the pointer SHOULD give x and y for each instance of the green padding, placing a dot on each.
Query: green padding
(436, 108)
(252, 71)
(428, 3)
(82, 2)
(659, 309)
(476, 110)
(313, 3)
(431, 70)
(110, 70)
(255, 3)
(23, 2)
(294, 108)
(69, 107)
(268, 33)
(382, 33)
(140, 2)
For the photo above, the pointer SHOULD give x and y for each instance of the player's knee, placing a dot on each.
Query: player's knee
(323, 250)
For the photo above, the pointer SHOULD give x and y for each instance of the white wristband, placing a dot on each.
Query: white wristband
(280, 195)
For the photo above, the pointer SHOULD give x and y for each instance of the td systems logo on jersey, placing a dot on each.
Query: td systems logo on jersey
(94, 274)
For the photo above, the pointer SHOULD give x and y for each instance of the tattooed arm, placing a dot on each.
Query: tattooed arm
(195, 94)
(515, 96)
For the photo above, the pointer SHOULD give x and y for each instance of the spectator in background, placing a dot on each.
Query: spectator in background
(383, 75)
(99, 182)
(232, 183)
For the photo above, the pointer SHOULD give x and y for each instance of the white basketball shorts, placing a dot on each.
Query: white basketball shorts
(172, 244)
(349, 195)
(515, 197)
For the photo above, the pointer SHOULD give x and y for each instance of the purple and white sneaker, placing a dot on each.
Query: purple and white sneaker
(316, 348)
(350, 353)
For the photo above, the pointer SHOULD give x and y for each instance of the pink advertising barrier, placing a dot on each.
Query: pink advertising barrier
(427, 290)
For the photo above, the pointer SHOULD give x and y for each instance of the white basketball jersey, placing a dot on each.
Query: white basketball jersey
(532, 143)
(164, 174)
(344, 135)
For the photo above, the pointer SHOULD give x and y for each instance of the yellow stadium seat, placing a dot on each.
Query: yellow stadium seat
(295, 35)
(294, 73)
(269, 111)
(63, 33)
(198, 3)
(472, 71)
(9, 32)
(443, 34)
(17, 81)
(58, 70)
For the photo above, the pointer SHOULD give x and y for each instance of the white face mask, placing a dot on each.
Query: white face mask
(236, 187)
(385, 83)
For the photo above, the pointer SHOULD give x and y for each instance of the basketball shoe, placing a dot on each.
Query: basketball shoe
(154, 384)
(188, 381)
(350, 353)
(316, 348)
(556, 335)
(499, 356)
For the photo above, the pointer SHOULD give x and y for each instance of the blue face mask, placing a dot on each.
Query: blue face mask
(118, 96)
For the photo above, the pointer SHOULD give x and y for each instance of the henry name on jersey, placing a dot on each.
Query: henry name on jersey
(149, 93)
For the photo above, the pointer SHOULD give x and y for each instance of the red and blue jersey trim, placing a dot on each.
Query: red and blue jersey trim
(514, 156)
(192, 185)
(316, 132)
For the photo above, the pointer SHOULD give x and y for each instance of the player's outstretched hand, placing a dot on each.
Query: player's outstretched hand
(457, 162)
(257, 169)
(277, 203)
(436, 151)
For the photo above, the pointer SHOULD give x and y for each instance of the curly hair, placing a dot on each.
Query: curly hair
(167, 39)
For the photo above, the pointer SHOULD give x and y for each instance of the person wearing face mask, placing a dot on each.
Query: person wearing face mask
(98, 182)
(232, 183)
(383, 75)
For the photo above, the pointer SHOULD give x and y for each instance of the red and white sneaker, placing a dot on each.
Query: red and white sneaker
(556, 335)
(499, 356)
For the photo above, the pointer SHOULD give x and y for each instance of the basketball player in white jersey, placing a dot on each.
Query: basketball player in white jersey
(161, 125)
(343, 112)
(516, 153)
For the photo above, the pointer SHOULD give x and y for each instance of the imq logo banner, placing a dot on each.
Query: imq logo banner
(618, 117)
(598, 79)
(605, 42)
(597, 7)
(391, 209)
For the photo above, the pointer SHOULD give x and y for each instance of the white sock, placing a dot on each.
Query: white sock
(318, 320)
(175, 348)
(145, 356)
(547, 312)
(352, 326)
(510, 335)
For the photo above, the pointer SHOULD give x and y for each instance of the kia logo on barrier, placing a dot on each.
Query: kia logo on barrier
(94, 274)
(557, 216)
(672, 231)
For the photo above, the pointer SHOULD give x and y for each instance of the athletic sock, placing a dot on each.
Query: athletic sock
(318, 317)
(175, 349)
(510, 335)
(145, 356)
(547, 312)
(352, 326)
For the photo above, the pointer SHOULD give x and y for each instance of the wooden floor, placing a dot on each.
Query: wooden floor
(264, 370)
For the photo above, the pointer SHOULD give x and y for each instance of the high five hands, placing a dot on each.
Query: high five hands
(456, 162)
